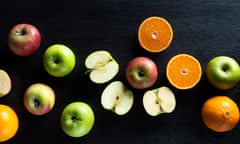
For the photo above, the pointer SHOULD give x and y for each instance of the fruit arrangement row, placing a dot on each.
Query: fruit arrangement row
(155, 34)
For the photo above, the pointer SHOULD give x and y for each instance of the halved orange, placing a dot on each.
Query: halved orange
(183, 71)
(155, 34)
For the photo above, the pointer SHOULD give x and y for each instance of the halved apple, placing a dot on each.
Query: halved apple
(102, 67)
(5, 83)
(158, 101)
(117, 98)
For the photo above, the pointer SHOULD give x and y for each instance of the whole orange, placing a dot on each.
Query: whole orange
(220, 113)
(9, 123)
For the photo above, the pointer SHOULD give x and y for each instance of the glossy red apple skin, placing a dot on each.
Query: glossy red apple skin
(141, 72)
(24, 39)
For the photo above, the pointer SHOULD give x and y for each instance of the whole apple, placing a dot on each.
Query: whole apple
(77, 119)
(24, 39)
(223, 72)
(141, 72)
(59, 60)
(39, 99)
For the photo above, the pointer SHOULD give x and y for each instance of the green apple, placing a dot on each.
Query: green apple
(159, 100)
(77, 119)
(101, 66)
(39, 99)
(117, 98)
(223, 72)
(5, 83)
(59, 60)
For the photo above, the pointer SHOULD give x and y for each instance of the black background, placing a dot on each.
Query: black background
(202, 28)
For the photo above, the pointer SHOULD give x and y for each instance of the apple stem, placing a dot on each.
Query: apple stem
(56, 60)
(141, 74)
(74, 119)
(87, 71)
(21, 32)
(224, 68)
(36, 103)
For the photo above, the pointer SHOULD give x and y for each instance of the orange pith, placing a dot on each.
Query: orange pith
(155, 34)
(8, 123)
(183, 71)
(220, 113)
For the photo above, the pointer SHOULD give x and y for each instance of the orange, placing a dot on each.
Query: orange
(183, 71)
(220, 113)
(9, 123)
(155, 34)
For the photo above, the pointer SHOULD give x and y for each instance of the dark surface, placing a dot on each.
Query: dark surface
(202, 28)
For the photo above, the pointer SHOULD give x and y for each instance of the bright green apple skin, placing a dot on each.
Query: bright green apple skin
(39, 99)
(223, 72)
(77, 119)
(59, 60)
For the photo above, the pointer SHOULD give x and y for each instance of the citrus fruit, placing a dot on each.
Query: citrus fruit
(183, 71)
(155, 34)
(220, 113)
(9, 123)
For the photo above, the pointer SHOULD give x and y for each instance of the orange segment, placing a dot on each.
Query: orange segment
(155, 34)
(220, 113)
(183, 71)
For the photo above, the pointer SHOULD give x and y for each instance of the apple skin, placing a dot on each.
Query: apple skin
(39, 99)
(141, 72)
(77, 119)
(24, 39)
(59, 60)
(223, 72)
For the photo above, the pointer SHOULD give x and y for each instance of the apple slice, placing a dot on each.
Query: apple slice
(5, 83)
(158, 101)
(117, 98)
(101, 66)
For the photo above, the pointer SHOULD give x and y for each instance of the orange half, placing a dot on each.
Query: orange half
(155, 34)
(183, 71)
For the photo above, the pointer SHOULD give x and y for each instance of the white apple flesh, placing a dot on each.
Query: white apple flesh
(117, 98)
(158, 101)
(5, 83)
(102, 67)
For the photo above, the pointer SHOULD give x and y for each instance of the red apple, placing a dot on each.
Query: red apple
(39, 99)
(24, 39)
(141, 72)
